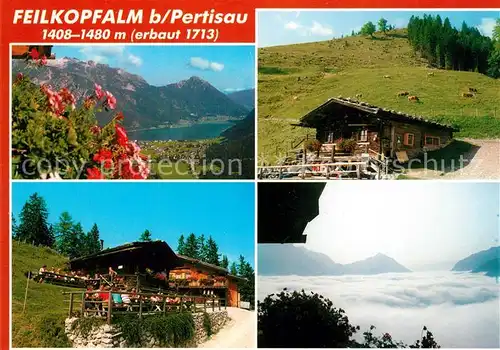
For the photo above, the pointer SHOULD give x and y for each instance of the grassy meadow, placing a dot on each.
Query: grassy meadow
(294, 79)
(46, 307)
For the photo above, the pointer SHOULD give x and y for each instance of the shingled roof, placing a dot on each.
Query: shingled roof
(308, 119)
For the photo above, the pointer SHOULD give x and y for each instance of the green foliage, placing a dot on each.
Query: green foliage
(348, 145)
(368, 29)
(69, 236)
(300, 320)
(313, 145)
(93, 241)
(212, 253)
(43, 143)
(171, 330)
(246, 287)
(272, 70)
(46, 309)
(225, 262)
(465, 49)
(233, 270)
(181, 245)
(382, 25)
(33, 227)
(85, 325)
(145, 236)
(203, 248)
(207, 324)
(303, 320)
(52, 333)
(192, 247)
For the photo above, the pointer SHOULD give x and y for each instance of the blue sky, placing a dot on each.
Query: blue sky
(228, 68)
(415, 222)
(289, 27)
(123, 211)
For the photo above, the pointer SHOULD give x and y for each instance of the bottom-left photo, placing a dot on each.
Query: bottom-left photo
(140, 265)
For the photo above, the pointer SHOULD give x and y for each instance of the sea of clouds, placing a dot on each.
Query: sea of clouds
(460, 309)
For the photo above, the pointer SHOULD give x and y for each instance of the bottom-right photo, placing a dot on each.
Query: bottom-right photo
(406, 264)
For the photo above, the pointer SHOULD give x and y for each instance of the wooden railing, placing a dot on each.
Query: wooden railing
(142, 304)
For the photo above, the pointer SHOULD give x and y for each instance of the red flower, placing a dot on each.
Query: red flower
(34, 54)
(67, 97)
(110, 100)
(98, 91)
(94, 174)
(19, 77)
(104, 156)
(43, 61)
(96, 129)
(119, 116)
(121, 135)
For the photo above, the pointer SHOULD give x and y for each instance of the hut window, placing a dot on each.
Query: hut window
(409, 139)
(363, 135)
(432, 141)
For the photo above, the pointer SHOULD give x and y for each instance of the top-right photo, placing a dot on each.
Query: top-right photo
(378, 95)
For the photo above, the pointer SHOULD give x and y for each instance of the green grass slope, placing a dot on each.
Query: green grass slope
(294, 79)
(45, 304)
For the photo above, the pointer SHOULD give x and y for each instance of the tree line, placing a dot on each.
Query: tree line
(446, 47)
(66, 236)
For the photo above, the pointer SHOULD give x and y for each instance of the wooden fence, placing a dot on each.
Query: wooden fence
(86, 304)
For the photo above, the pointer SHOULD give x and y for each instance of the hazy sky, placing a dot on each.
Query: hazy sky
(415, 222)
(289, 27)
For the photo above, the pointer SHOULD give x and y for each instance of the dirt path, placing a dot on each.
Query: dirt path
(483, 163)
(240, 332)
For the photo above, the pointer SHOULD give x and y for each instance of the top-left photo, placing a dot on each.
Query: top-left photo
(112, 112)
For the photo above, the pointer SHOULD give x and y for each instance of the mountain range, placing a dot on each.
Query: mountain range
(486, 261)
(143, 105)
(246, 98)
(288, 259)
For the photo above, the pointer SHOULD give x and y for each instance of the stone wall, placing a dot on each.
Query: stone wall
(110, 336)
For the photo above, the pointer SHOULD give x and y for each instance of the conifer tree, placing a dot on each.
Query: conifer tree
(33, 227)
(93, 240)
(181, 245)
(192, 249)
(66, 240)
(202, 248)
(212, 256)
(225, 262)
(145, 236)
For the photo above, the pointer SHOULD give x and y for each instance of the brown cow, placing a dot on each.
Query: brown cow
(471, 89)
(413, 98)
(467, 94)
(403, 93)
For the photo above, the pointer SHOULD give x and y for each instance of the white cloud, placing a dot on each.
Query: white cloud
(106, 54)
(135, 60)
(460, 309)
(487, 25)
(292, 25)
(204, 64)
(319, 29)
(216, 67)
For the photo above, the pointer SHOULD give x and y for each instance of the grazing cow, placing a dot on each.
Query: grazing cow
(467, 94)
(413, 98)
(359, 95)
(403, 93)
(430, 74)
(471, 89)
(387, 76)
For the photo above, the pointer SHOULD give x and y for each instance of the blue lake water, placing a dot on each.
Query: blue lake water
(191, 132)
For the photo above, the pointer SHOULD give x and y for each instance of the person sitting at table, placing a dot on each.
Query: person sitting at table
(127, 302)
(104, 296)
(117, 298)
(43, 269)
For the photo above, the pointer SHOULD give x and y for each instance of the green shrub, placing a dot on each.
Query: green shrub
(207, 324)
(52, 332)
(171, 330)
(313, 145)
(303, 320)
